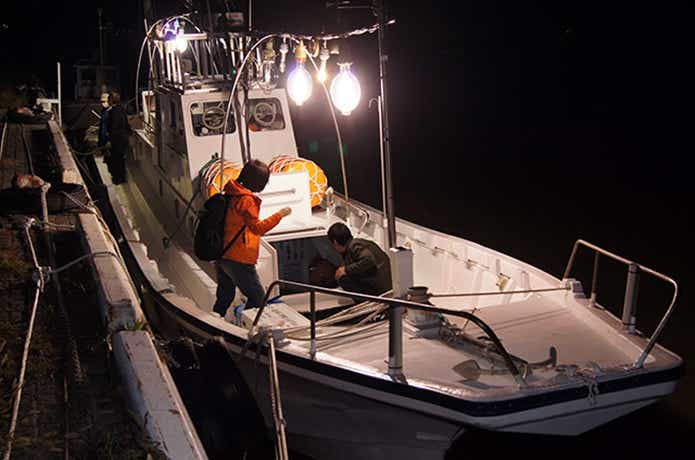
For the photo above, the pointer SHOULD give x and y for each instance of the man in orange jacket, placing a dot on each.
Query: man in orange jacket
(237, 267)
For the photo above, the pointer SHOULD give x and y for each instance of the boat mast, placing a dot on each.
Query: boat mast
(101, 40)
(378, 9)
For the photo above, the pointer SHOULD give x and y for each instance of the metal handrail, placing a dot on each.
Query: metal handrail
(392, 303)
(629, 306)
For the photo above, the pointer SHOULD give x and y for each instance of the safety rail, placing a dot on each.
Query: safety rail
(629, 315)
(392, 303)
(196, 58)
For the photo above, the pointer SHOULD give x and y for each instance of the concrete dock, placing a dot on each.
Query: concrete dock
(88, 322)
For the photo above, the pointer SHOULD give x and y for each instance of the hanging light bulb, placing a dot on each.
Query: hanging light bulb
(324, 54)
(173, 36)
(345, 90)
(283, 54)
(299, 80)
(268, 75)
(180, 42)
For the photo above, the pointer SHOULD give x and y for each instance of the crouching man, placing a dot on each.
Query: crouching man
(366, 267)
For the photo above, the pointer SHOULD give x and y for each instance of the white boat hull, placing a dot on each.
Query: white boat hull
(336, 412)
(333, 418)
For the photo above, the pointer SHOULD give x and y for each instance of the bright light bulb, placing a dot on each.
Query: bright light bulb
(323, 55)
(345, 90)
(299, 84)
(322, 75)
(180, 42)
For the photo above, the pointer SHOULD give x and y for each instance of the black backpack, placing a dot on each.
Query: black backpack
(209, 234)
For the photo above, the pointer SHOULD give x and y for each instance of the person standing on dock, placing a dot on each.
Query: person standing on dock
(104, 120)
(119, 134)
(367, 268)
(103, 138)
(242, 232)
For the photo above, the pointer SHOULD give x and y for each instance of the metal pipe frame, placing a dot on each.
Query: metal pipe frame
(384, 132)
(392, 305)
(630, 300)
(524, 291)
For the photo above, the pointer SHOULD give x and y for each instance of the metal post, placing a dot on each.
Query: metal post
(396, 342)
(383, 171)
(630, 304)
(101, 45)
(384, 122)
(60, 99)
(250, 15)
(44, 202)
(594, 279)
(402, 275)
(312, 303)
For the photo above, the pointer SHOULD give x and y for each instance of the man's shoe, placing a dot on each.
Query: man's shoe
(238, 310)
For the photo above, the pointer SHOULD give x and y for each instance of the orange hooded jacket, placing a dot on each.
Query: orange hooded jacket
(243, 210)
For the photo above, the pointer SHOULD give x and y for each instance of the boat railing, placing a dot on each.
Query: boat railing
(629, 314)
(391, 303)
(193, 60)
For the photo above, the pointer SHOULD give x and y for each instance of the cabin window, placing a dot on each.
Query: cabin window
(207, 118)
(265, 114)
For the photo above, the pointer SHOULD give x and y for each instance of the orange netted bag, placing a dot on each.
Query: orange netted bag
(210, 179)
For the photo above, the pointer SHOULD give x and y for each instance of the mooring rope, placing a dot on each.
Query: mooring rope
(39, 280)
(276, 401)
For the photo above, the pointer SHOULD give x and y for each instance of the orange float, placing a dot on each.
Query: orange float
(210, 181)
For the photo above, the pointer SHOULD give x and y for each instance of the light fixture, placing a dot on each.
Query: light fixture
(324, 54)
(283, 55)
(345, 90)
(268, 73)
(299, 84)
(180, 42)
(173, 36)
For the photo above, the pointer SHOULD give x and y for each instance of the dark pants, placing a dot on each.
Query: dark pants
(116, 162)
(232, 275)
(355, 285)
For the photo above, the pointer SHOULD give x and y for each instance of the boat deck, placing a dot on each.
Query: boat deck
(549, 323)
(528, 326)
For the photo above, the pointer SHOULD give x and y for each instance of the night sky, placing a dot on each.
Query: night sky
(520, 125)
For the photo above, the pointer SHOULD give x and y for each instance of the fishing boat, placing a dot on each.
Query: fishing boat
(468, 336)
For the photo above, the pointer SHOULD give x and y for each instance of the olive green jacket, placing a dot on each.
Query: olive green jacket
(366, 263)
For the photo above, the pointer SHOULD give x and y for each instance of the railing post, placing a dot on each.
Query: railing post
(630, 304)
(402, 276)
(594, 281)
(60, 97)
(312, 304)
(44, 203)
